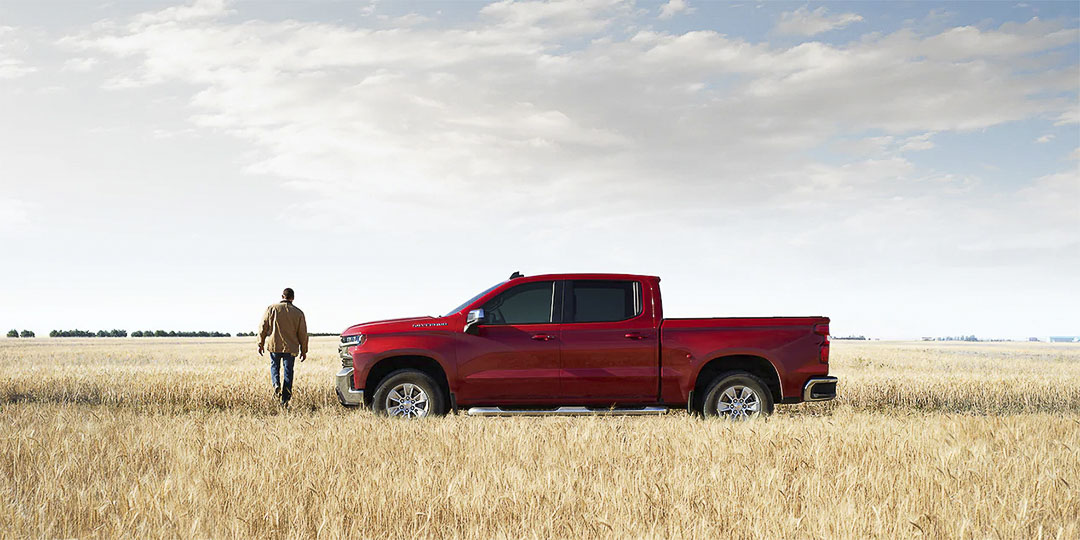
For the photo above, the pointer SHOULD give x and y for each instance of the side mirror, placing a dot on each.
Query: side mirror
(473, 320)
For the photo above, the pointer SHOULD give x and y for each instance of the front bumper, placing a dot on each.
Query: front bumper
(345, 392)
(820, 389)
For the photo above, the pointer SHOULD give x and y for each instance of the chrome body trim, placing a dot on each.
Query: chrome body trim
(343, 353)
(808, 389)
(567, 411)
(345, 392)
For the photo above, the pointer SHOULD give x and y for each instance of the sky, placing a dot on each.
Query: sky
(907, 169)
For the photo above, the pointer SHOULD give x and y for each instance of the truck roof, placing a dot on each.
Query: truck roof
(591, 276)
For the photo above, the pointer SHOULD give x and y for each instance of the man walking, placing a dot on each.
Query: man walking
(284, 324)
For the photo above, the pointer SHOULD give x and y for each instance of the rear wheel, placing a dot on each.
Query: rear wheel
(737, 395)
(408, 393)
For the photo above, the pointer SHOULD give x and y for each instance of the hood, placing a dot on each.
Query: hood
(408, 324)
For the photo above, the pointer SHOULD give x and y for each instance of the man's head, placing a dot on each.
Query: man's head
(288, 294)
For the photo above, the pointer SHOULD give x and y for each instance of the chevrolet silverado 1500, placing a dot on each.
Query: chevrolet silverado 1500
(582, 344)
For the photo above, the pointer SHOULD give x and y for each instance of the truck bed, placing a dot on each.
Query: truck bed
(786, 342)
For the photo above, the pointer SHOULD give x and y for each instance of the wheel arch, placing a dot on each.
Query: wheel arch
(390, 364)
(756, 365)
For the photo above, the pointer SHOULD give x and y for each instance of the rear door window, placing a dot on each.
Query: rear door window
(528, 303)
(603, 300)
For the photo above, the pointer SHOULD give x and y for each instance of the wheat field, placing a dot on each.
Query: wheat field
(105, 438)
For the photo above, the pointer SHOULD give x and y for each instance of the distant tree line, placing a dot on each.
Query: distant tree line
(962, 338)
(141, 333)
(174, 333)
(312, 334)
(88, 333)
(856, 338)
(137, 333)
(952, 338)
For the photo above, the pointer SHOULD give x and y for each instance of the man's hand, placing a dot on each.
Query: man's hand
(303, 355)
(260, 349)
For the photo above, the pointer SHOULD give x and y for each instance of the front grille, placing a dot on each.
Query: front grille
(346, 358)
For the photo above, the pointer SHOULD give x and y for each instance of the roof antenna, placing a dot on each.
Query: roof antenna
(516, 275)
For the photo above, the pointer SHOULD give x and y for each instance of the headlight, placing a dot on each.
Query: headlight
(353, 340)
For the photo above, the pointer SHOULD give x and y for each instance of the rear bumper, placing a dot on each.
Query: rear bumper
(820, 389)
(346, 395)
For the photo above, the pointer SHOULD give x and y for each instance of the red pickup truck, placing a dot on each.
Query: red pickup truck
(582, 344)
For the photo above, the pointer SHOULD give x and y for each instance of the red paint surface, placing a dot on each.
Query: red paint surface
(645, 360)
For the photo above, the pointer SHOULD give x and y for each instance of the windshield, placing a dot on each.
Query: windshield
(473, 299)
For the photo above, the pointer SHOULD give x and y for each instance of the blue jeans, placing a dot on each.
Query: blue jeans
(276, 360)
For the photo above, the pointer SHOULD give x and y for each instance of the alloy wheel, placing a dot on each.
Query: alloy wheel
(738, 402)
(407, 400)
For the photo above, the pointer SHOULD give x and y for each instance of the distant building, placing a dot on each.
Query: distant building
(1064, 339)
(1033, 339)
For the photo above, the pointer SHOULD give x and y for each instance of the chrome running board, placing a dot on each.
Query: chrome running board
(567, 411)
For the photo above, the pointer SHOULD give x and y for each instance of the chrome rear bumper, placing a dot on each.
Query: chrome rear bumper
(345, 393)
(819, 389)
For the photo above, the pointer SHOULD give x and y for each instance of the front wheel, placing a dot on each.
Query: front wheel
(737, 395)
(408, 393)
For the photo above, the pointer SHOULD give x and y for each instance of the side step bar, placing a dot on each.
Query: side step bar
(567, 411)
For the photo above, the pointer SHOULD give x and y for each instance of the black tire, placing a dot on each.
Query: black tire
(748, 397)
(434, 405)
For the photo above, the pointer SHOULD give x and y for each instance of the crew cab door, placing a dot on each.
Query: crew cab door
(610, 350)
(514, 356)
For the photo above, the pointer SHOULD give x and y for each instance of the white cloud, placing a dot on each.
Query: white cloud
(803, 22)
(1056, 198)
(11, 68)
(674, 7)
(556, 17)
(549, 137)
(1009, 40)
(80, 65)
(882, 145)
(499, 119)
(1069, 116)
(1045, 138)
(199, 10)
(917, 142)
(12, 47)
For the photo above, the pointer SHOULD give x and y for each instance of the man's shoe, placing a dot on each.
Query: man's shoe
(277, 391)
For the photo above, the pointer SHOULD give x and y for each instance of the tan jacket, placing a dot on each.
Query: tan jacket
(286, 327)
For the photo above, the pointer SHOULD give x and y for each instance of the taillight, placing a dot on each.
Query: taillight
(823, 330)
